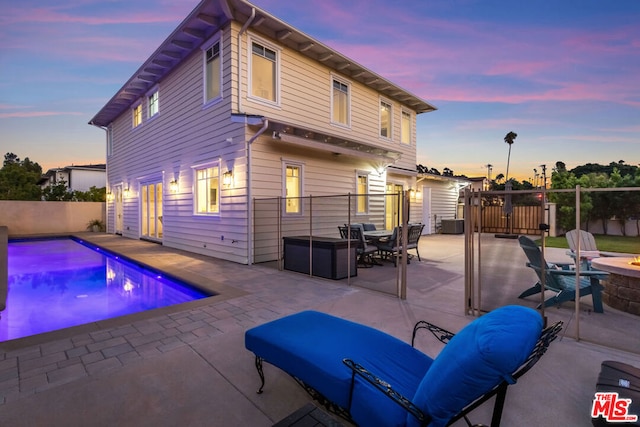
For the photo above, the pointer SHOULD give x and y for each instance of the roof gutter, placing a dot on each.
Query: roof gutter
(242, 31)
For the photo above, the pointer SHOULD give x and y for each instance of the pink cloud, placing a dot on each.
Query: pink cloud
(32, 114)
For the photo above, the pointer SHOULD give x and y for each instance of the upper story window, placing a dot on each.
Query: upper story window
(213, 71)
(109, 140)
(385, 119)
(340, 102)
(405, 131)
(137, 115)
(292, 188)
(153, 106)
(207, 197)
(362, 190)
(264, 72)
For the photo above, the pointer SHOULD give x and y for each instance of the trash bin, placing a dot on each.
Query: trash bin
(452, 226)
(623, 406)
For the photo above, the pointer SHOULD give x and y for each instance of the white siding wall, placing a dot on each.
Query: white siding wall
(306, 87)
(82, 180)
(166, 147)
(444, 202)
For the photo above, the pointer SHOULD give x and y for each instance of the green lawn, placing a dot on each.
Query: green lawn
(630, 245)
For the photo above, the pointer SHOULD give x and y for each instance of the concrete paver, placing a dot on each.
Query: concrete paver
(187, 365)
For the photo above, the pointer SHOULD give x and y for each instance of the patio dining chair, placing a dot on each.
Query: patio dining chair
(371, 378)
(364, 249)
(561, 281)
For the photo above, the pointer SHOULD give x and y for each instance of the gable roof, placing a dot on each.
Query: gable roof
(210, 16)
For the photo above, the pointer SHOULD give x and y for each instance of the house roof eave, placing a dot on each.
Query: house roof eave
(208, 17)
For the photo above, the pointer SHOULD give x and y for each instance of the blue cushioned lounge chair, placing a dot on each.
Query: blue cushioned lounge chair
(373, 379)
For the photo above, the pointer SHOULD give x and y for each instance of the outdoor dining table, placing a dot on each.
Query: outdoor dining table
(378, 234)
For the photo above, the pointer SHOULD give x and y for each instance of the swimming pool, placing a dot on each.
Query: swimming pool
(58, 283)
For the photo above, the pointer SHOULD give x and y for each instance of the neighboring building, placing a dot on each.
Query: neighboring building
(236, 105)
(440, 199)
(77, 178)
(479, 183)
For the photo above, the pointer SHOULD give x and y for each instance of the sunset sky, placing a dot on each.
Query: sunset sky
(564, 75)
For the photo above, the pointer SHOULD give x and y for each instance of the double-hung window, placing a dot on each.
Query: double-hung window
(405, 130)
(212, 71)
(153, 106)
(264, 72)
(362, 191)
(207, 189)
(292, 188)
(137, 115)
(385, 119)
(340, 104)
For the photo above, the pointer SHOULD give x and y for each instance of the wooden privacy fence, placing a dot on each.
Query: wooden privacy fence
(524, 219)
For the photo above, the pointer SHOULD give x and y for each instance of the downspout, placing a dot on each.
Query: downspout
(250, 141)
(106, 170)
(242, 31)
(265, 125)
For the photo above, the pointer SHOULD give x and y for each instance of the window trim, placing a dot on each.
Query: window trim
(404, 111)
(278, 52)
(134, 107)
(195, 169)
(300, 165)
(110, 140)
(335, 78)
(154, 90)
(390, 104)
(216, 39)
(365, 174)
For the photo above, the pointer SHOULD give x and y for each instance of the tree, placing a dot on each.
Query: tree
(566, 202)
(19, 179)
(57, 193)
(94, 194)
(509, 139)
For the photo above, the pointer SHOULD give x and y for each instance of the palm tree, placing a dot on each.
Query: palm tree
(509, 139)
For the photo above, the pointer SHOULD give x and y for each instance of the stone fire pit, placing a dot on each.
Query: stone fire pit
(622, 288)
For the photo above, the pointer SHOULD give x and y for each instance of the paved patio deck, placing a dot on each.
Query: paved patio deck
(187, 365)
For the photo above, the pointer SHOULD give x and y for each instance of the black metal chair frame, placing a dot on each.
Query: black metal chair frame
(547, 336)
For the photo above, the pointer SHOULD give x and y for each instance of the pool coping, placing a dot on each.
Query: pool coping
(221, 293)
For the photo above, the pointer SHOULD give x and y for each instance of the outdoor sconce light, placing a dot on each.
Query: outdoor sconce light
(418, 195)
(109, 196)
(127, 192)
(173, 186)
(227, 178)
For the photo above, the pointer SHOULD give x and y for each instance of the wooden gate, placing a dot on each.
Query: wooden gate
(524, 219)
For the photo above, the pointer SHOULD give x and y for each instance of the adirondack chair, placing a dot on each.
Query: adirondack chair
(561, 281)
(588, 248)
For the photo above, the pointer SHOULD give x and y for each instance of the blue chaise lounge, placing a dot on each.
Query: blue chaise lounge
(374, 379)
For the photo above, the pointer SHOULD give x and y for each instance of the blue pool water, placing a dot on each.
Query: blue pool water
(58, 283)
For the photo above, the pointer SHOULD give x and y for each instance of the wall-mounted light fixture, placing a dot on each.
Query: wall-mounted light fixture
(127, 192)
(109, 196)
(227, 179)
(173, 186)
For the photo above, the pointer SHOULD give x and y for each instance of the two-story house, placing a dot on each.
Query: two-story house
(235, 106)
